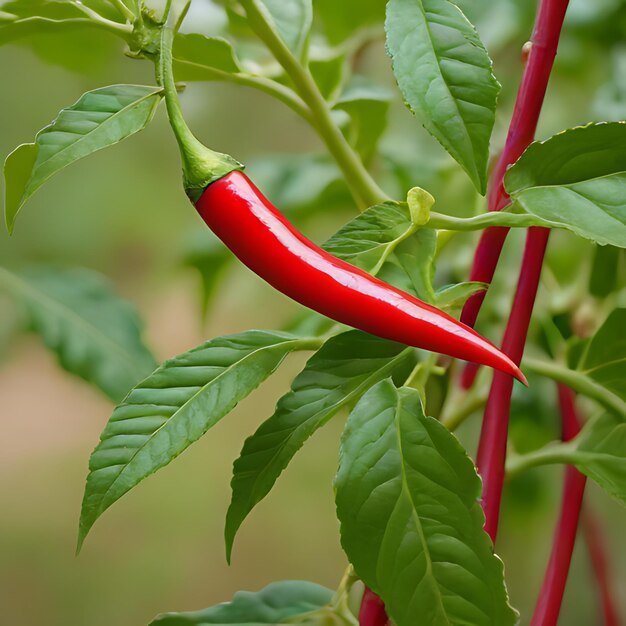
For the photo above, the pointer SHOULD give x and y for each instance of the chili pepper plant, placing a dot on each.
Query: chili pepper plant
(388, 303)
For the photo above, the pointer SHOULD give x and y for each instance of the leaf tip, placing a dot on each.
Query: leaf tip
(230, 530)
(10, 223)
(79, 542)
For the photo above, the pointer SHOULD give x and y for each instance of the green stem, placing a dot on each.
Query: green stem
(124, 10)
(466, 407)
(484, 220)
(558, 453)
(266, 85)
(363, 187)
(421, 372)
(201, 165)
(579, 382)
(122, 30)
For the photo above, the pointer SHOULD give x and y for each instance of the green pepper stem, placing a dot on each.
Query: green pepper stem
(484, 220)
(201, 165)
(552, 454)
(579, 382)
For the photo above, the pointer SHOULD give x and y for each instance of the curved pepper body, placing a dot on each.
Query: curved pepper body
(265, 241)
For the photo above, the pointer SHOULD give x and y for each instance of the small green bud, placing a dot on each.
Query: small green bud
(420, 202)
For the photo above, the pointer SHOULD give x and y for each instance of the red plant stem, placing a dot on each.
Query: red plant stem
(551, 595)
(492, 446)
(372, 612)
(599, 562)
(544, 43)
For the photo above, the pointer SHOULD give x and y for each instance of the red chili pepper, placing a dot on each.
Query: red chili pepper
(372, 611)
(262, 238)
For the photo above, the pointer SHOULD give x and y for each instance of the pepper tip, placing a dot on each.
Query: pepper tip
(520, 376)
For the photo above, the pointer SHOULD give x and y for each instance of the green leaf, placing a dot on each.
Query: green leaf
(594, 209)
(411, 523)
(100, 118)
(284, 602)
(454, 296)
(197, 57)
(411, 267)
(605, 271)
(334, 377)
(292, 20)
(572, 156)
(385, 242)
(599, 452)
(28, 26)
(604, 359)
(446, 78)
(174, 407)
(299, 182)
(341, 20)
(367, 104)
(94, 334)
(36, 8)
(368, 239)
(328, 68)
(210, 257)
(36, 18)
(576, 180)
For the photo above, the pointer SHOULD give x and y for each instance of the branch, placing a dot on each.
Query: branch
(551, 595)
(493, 437)
(544, 43)
(599, 561)
(579, 383)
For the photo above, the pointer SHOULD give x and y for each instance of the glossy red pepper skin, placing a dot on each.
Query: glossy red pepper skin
(262, 238)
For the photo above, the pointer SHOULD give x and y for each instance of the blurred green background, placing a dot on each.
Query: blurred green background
(122, 212)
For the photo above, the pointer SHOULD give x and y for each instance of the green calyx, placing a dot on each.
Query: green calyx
(146, 36)
(201, 165)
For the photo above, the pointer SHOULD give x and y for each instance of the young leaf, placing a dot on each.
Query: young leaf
(197, 57)
(100, 118)
(175, 406)
(94, 334)
(284, 602)
(334, 377)
(411, 523)
(600, 453)
(446, 78)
